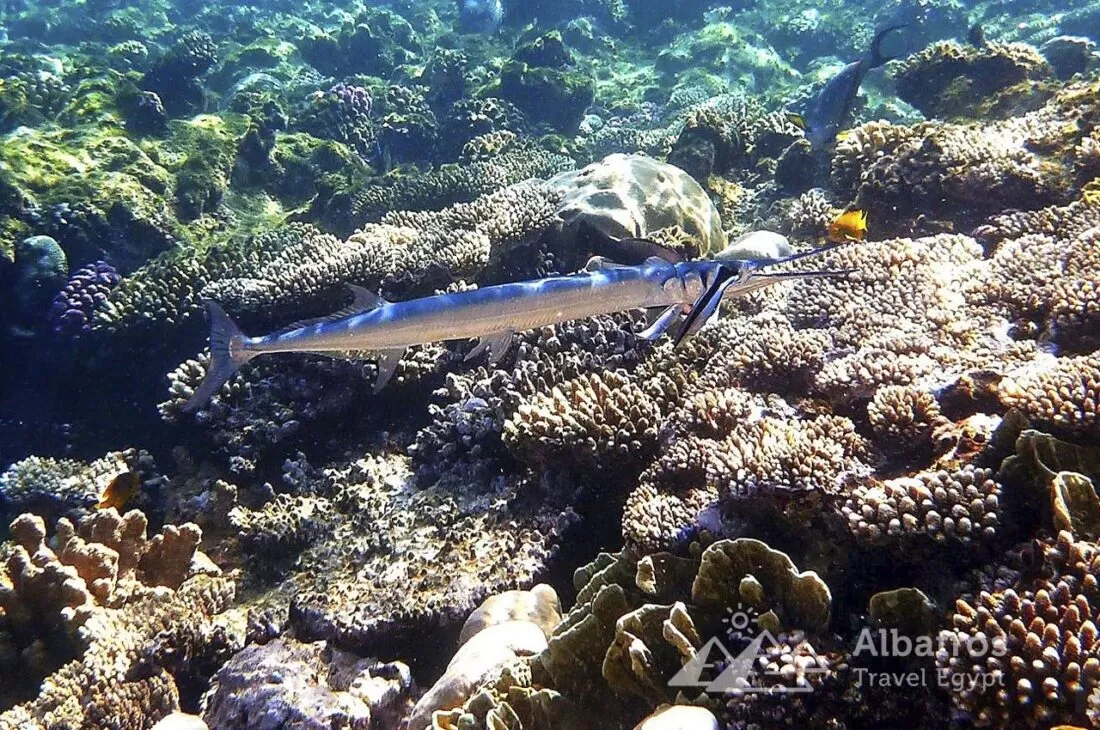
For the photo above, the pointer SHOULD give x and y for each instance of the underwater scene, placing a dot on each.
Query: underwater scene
(549, 364)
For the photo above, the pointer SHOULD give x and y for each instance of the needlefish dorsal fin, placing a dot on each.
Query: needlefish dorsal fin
(387, 365)
(363, 300)
(497, 344)
(600, 263)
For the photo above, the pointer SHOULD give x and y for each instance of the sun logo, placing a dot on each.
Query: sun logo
(738, 620)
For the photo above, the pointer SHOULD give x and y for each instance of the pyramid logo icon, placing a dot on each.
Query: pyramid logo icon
(736, 670)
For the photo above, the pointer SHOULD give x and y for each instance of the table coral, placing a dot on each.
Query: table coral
(446, 185)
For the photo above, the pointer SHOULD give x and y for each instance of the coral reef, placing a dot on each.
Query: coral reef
(961, 173)
(635, 196)
(997, 80)
(110, 620)
(904, 451)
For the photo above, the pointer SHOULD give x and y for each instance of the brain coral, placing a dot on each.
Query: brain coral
(633, 195)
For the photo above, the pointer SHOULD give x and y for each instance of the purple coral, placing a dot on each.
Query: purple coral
(342, 113)
(354, 99)
(86, 289)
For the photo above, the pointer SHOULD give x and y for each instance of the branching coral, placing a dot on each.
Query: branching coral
(1034, 631)
(133, 612)
(600, 421)
(66, 487)
(1063, 393)
(963, 506)
(964, 173)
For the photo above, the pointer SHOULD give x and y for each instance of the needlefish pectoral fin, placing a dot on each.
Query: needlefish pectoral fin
(387, 365)
(661, 323)
(496, 343)
(706, 305)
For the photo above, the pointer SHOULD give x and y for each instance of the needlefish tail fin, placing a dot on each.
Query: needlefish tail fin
(227, 354)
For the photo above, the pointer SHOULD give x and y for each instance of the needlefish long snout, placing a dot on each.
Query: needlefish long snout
(372, 327)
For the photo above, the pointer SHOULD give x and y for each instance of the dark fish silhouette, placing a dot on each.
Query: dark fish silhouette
(833, 105)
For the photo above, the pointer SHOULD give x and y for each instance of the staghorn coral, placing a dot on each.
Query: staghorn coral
(810, 214)
(166, 292)
(278, 274)
(135, 614)
(778, 454)
(174, 76)
(1046, 283)
(1068, 221)
(467, 431)
(272, 406)
(408, 127)
(1034, 630)
(470, 118)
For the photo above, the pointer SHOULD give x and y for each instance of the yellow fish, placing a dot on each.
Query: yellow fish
(119, 491)
(851, 225)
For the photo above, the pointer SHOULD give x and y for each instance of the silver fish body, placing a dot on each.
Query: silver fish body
(373, 327)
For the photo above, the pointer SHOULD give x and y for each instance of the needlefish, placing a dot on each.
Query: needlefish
(371, 327)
